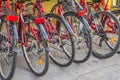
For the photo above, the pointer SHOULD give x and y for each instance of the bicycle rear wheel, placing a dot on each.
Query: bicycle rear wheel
(7, 55)
(106, 29)
(35, 52)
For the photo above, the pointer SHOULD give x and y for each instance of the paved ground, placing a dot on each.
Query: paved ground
(93, 69)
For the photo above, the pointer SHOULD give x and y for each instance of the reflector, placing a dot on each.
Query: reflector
(12, 18)
(39, 20)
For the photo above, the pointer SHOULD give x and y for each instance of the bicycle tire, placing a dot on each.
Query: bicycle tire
(114, 49)
(73, 14)
(65, 54)
(12, 56)
(41, 68)
(85, 34)
(116, 13)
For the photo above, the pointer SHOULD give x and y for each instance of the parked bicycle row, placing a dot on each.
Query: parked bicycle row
(71, 32)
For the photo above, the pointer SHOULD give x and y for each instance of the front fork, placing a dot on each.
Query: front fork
(69, 29)
(15, 38)
(85, 22)
(45, 37)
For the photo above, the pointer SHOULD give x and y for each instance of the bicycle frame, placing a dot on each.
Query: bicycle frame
(21, 25)
(110, 24)
(82, 12)
(41, 14)
(51, 28)
(8, 40)
(11, 18)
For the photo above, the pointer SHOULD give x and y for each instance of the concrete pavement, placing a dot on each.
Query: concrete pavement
(93, 69)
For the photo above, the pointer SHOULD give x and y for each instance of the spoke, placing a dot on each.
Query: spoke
(35, 55)
(57, 49)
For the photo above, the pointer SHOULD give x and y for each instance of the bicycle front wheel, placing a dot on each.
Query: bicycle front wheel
(106, 29)
(7, 55)
(35, 52)
(83, 46)
(63, 50)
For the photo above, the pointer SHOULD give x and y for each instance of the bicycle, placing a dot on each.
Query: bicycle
(106, 26)
(76, 6)
(61, 35)
(104, 6)
(110, 26)
(79, 25)
(8, 41)
(33, 39)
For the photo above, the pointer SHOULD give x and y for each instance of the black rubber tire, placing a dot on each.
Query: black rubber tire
(12, 69)
(88, 40)
(14, 59)
(46, 54)
(51, 15)
(113, 50)
(75, 15)
(116, 12)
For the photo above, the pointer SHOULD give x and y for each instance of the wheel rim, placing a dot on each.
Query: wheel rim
(6, 53)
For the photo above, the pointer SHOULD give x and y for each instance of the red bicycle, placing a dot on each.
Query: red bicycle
(33, 39)
(8, 41)
(59, 33)
(78, 24)
(105, 35)
(106, 27)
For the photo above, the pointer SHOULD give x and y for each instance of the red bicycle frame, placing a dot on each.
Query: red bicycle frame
(85, 10)
(102, 3)
(8, 17)
(21, 25)
(109, 22)
(49, 28)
